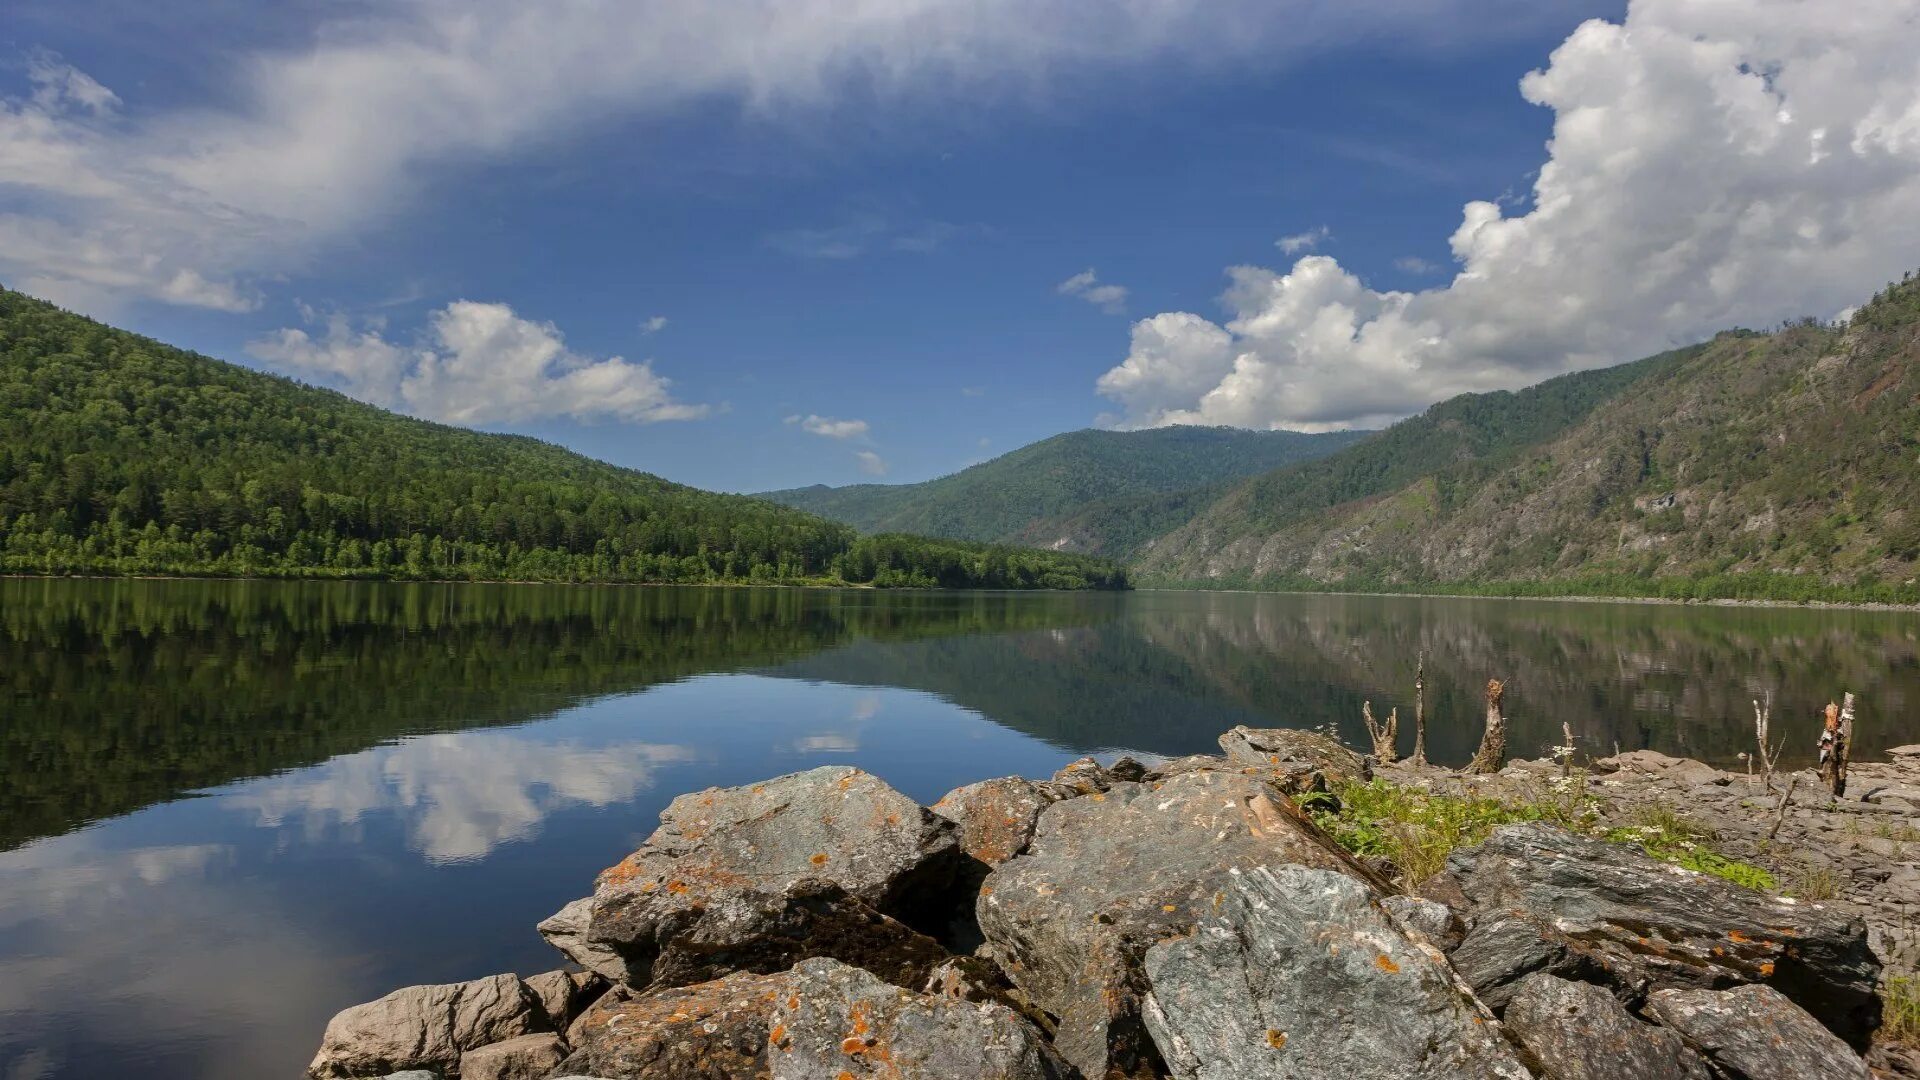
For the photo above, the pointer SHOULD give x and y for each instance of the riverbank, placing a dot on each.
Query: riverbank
(1126, 920)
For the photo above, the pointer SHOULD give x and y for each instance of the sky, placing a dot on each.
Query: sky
(765, 243)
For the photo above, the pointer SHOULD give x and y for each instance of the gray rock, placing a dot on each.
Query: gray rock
(842, 1022)
(1755, 1033)
(1577, 1031)
(1109, 875)
(566, 930)
(1429, 918)
(722, 854)
(1303, 975)
(1503, 948)
(529, 1057)
(710, 1031)
(563, 994)
(1083, 776)
(411, 1074)
(670, 939)
(1651, 925)
(997, 817)
(426, 1027)
(1297, 760)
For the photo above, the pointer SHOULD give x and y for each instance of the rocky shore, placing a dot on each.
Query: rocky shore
(1206, 918)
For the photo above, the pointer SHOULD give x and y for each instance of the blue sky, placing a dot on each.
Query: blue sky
(857, 234)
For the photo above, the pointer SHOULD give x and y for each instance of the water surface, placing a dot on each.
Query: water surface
(228, 809)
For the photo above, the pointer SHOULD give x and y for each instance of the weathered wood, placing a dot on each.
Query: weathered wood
(1420, 710)
(1836, 738)
(1386, 737)
(1492, 754)
(1769, 754)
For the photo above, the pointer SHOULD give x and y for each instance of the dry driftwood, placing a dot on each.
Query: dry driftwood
(1492, 754)
(1836, 739)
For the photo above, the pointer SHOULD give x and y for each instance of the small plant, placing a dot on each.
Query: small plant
(1900, 1012)
(1815, 883)
(1413, 829)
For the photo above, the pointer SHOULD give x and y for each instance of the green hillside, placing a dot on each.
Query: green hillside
(1101, 491)
(121, 455)
(1783, 466)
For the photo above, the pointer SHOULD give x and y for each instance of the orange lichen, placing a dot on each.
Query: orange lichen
(819, 860)
(1276, 1039)
(1385, 963)
(778, 1033)
(1766, 970)
(852, 1047)
(1169, 907)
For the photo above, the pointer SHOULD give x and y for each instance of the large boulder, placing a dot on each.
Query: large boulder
(528, 1057)
(1297, 760)
(1110, 874)
(1302, 974)
(842, 1022)
(1754, 1033)
(997, 817)
(710, 1031)
(427, 1027)
(1640, 924)
(565, 994)
(1578, 1031)
(722, 857)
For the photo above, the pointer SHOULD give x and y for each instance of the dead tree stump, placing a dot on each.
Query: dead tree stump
(1386, 737)
(1492, 754)
(1420, 711)
(1836, 739)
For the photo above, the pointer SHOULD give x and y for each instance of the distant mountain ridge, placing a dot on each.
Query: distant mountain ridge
(1089, 490)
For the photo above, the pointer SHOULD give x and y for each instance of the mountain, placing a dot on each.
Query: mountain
(1778, 465)
(1093, 491)
(121, 455)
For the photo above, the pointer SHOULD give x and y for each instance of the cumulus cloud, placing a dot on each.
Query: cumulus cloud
(1306, 241)
(1712, 165)
(654, 325)
(479, 364)
(313, 143)
(828, 428)
(871, 463)
(1086, 285)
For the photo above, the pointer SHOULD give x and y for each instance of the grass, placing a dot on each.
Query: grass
(1900, 1011)
(1815, 883)
(1416, 830)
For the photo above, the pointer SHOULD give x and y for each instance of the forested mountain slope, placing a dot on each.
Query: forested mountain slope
(119, 454)
(1095, 479)
(1780, 465)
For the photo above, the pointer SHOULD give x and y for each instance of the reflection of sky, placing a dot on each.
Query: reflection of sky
(212, 937)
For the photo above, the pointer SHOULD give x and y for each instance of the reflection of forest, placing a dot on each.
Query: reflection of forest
(124, 693)
(1181, 668)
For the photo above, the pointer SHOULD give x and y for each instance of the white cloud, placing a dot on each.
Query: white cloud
(314, 143)
(1306, 241)
(871, 463)
(654, 325)
(1111, 299)
(829, 428)
(1414, 264)
(481, 364)
(1713, 164)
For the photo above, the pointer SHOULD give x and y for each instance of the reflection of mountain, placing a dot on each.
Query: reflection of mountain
(1180, 669)
(121, 694)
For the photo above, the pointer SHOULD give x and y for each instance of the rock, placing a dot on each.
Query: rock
(1503, 948)
(1755, 1033)
(411, 1074)
(710, 1031)
(1190, 763)
(720, 854)
(1110, 874)
(563, 994)
(1653, 925)
(1430, 919)
(675, 939)
(1083, 777)
(529, 1057)
(842, 1022)
(1126, 768)
(1907, 751)
(1577, 1031)
(997, 817)
(1303, 975)
(566, 930)
(1298, 760)
(426, 1027)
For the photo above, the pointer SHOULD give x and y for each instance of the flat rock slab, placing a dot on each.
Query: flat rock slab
(529, 1057)
(427, 1027)
(1755, 1033)
(1302, 974)
(1110, 874)
(1650, 925)
(841, 1022)
(710, 1031)
(1578, 1031)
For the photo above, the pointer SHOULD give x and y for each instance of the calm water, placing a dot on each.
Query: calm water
(229, 809)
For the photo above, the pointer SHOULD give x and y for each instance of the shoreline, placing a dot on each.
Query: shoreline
(1729, 602)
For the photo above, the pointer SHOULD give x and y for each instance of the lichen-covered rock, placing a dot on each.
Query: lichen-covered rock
(1295, 760)
(842, 1022)
(426, 1027)
(1577, 1031)
(1504, 947)
(1110, 874)
(1302, 974)
(709, 1031)
(1083, 776)
(566, 930)
(1429, 918)
(723, 854)
(529, 1057)
(669, 939)
(1649, 925)
(1754, 1033)
(563, 994)
(997, 817)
